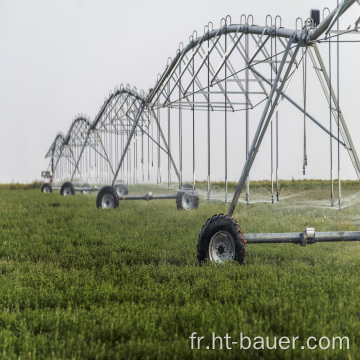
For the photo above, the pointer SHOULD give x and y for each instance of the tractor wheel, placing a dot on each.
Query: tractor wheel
(67, 189)
(187, 198)
(107, 198)
(46, 188)
(220, 240)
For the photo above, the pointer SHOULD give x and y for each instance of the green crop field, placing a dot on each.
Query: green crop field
(81, 283)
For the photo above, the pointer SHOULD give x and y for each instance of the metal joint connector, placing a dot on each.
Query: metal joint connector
(149, 196)
(307, 234)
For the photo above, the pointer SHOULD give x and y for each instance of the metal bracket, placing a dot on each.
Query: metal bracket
(303, 238)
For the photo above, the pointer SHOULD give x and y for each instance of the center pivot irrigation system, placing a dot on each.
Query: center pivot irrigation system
(217, 76)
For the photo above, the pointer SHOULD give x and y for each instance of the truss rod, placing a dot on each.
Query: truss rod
(339, 118)
(302, 110)
(167, 151)
(128, 141)
(264, 122)
(106, 154)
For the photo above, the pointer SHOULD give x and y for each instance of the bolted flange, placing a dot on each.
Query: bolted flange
(308, 233)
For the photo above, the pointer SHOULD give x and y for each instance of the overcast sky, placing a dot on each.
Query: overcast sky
(59, 58)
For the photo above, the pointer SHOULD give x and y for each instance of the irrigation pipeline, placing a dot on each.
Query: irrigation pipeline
(307, 237)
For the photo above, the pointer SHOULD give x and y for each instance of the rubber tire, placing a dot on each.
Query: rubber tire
(65, 185)
(85, 191)
(211, 227)
(186, 188)
(46, 186)
(107, 190)
(123, 189)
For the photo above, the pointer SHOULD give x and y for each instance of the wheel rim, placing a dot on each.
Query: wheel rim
(107, 201)
(222, 247)
(187, 201)
(46, 189)
(67, 191)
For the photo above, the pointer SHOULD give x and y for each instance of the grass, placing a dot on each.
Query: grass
(81, 283)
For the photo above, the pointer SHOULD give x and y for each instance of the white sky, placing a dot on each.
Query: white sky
(59, 58)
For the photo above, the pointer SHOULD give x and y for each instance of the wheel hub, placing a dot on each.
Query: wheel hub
(187, 202)
(222, 247)
(67, 191)
(108, 201)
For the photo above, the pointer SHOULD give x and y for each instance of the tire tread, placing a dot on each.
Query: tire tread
(212, 226)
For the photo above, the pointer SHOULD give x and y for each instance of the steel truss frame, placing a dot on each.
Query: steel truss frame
(198, 78)
(222, 70)
(120, 120)
(227, 70)
(64, 150)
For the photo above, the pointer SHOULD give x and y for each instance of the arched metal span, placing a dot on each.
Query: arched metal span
(56, 146)
(241, 67)
(236, 33)
(110, 146)
(64, 151)
(55, 153)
